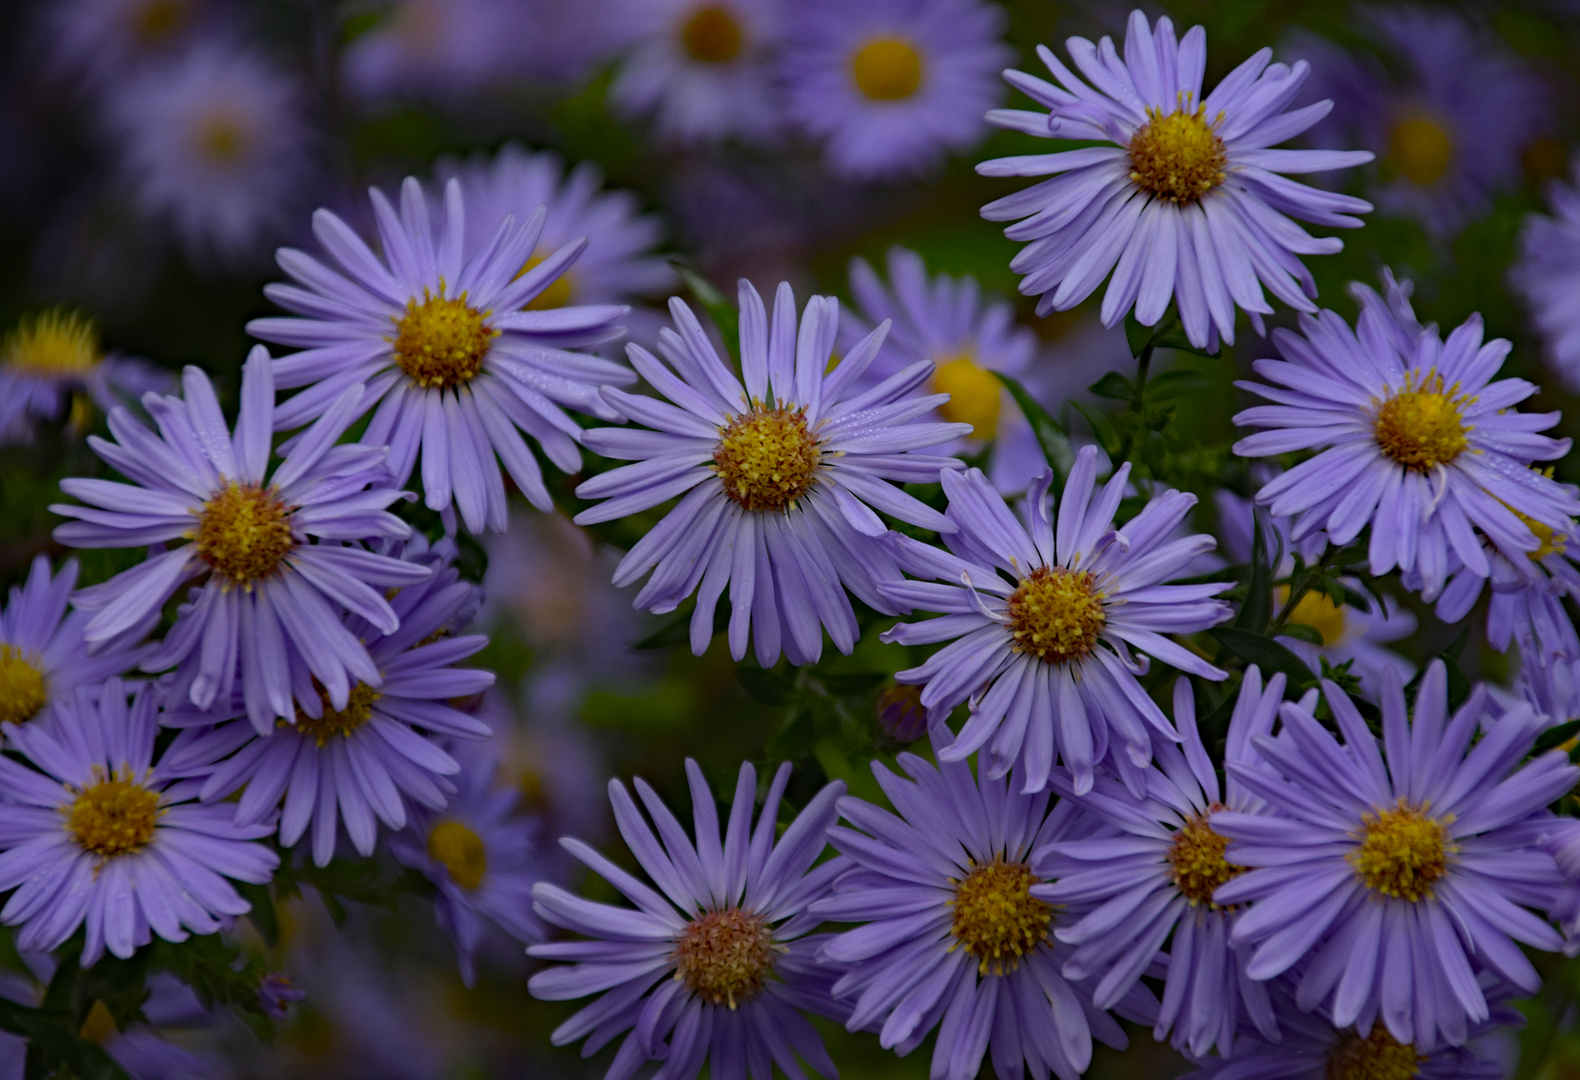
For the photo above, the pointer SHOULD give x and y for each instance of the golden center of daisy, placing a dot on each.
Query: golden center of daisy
(767, 458)
(442, 342)
(333, 722)
(1196, 860)
(220, 137)
(557, 295)
(1403, 851)
(725, 956)
(1177, 156)
(1057, 614)
(996, 919)
(22, 692)
(244, 532)
(461, 851)
(157, 20)
(1379, 1056)
(1420, 149)
(1322, 615)
(1422, 426)
(710, 35)
(55, 342)
(114, 816)
(975, 395)
(887, 69)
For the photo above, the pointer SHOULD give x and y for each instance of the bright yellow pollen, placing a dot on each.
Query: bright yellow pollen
(358, 711)
(1420, 149)
(1549, 540)
(711, 35)
(996, 918)
(22, 692)
(725, 956)
(1422, 426)
(975, 395)
(1056, 615)
(54, 342)
(220, 138)
(1177, 157)
(1379, 1056)
(442, 342)
(1322, 615)
(114, 816)
(1402, 852)
(887, 69)
(767, 458)
(243, 532)
(461, 851)
(1196, 860)
(557, 295)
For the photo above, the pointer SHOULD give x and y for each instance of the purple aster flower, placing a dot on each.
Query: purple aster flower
(1153, 882)
(892, 86)
(54, 358)
(96, 836)
(1397, 868)
(1547, 272)
(95, 43)
(1414, 438)
(779, 477)
(1041, 618)
(714, 966)
(269, 547)
(1563, 844)
(367, 760)
(449, 346)
(1185, 200)
(444, 50)
(953, 935)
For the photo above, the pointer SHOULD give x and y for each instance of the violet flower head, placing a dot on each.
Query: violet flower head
(1547, 272)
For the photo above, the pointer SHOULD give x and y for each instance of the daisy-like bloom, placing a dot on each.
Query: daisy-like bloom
(268, 547)
(43, 657)
(450, 348)
(445, 50)
(1397, 868)
(1041, 618)
(779, 477)
(98, 42)
(718, 963)
(216, 146)
(54, 358)
(953, 935)
(1413, 437)
(1152, 883)
(1186, 201)
(892, 86)
(365, 761)
(96, 836)
(701, 68)
(1547, 272)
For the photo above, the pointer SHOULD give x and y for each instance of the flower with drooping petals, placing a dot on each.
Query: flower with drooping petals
(54, 356)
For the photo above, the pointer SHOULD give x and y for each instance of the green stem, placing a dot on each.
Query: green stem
(1137, 399)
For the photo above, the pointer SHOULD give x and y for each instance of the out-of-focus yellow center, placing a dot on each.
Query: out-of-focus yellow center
(725, 956)
(244, 532)
(442, 342)
(1379, 1056)
(220, 138)
(767, 458)
(710, 35)
(1321, 614)
(157, 20)
(976, 397)
(22, 692)
(996, 919)
(1056, 614)
(1196, 860)
(887, 69)
(461, 851)
(1420, 149)
(1177, 156)
(115, 816)
(1422, 426)
(559, 292)
(99, 1024)
(343, 722)
(54, 342)
(1403, 851)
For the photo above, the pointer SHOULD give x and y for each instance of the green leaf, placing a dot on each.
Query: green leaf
(1102, 428)
(1257, 611)
(1055, 443)
(852, 684)
(769, 687)
(1301, 632)
(1114, 385)
(1266, 654)
(1175, 339)
(1556, 736)
(1136, 335)
(1176, 382)
(718, 307)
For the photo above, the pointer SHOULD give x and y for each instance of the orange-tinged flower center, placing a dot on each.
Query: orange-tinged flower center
(725, 956)
(244, 532)
(887, 69)
(710, 35)
(1378, 1056)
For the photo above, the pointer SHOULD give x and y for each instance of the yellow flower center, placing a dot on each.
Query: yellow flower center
(54, 342)
(114, 816)
(244, 532)
(1402, 852)
(767, 458)
(157, 20)
(461, 851)
(1056, 615)
(975, 395)
(710, 35)
(99, 1024)
(1379, 1056)
(1420, 149)
(996, 918)
(887, 69)
(22, 692)
(1422, 426)
(1177, 156)
(725, 956)
(220, 137)
(1321, 614)
(1196, 860)
(358, 711)
(442, 342)
(557, 295)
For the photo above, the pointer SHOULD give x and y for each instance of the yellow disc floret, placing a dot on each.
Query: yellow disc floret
(1422, 426)
(710, 35)
(22, 690)
(1177, 156)
(557, 295)
(1420, 149)
(1403, 851)
(442, 342)
(1196, 860)
(220, 137)
(1378, 1056)
(887, 69)
(1322, 615)
(996, 919)
(975, 395)
(461, 851)
(54, 342)
(725, 956)
(115, 816)
(767, 458)
(1057, 614)
(244, 532)
(358, 711)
